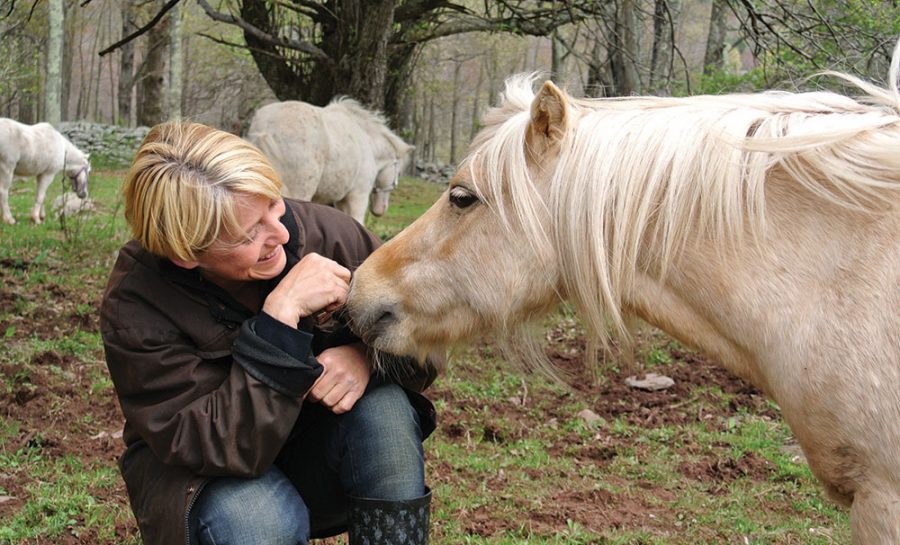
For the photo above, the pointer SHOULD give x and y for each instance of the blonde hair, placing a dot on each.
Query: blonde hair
(179, 192)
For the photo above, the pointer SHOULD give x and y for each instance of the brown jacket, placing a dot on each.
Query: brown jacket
(202, 393)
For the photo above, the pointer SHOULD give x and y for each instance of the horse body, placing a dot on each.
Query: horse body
(340, 155)
(38, 150)
(762, 229)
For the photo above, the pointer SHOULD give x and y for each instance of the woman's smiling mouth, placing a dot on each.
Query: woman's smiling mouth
(270, 255)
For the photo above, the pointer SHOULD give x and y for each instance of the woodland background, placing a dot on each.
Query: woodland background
(431, 66)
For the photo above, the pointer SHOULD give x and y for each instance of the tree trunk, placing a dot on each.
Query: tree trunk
(432, 135)
(368, 57)
(175, 57)
(557, 59)
(625, 54)
(597, 84)
(72, 26)
(662, 45)
(399, 73)
(151, 109)
(715, 42)
(126, 65)
(365, 67)
(53, 90)
(476, 104)
(454, 113)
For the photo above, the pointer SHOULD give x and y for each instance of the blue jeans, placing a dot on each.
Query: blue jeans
(372, 451)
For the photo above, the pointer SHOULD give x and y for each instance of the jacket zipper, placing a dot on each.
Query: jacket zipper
(187, 511)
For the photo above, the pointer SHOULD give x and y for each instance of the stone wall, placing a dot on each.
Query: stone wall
(109, 145)
(434, 172)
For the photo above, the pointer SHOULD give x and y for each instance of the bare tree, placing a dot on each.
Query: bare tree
(151, 91)
(793, 39)
(663, 44)
(53, 89)
(714, 58)
(173, 96)
(126, 64)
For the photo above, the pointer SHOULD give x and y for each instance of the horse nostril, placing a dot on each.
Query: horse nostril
(378, 321)
(386, 318)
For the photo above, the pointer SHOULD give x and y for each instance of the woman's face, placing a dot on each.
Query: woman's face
(258, 257)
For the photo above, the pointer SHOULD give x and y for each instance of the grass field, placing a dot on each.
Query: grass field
(514, 460)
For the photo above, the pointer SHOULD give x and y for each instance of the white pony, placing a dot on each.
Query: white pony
(338, 155)
(38, 150)
(763, 229)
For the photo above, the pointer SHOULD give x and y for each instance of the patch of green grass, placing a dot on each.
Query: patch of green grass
(409, 201)
(61, 499)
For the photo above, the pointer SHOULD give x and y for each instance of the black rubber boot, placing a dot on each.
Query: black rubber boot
(388, 522)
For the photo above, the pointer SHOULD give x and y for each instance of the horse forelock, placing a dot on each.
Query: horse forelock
(643, 176)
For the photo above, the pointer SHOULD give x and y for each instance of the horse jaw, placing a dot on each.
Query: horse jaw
(79, 184)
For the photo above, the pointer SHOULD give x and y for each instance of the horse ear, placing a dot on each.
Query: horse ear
(549, 117)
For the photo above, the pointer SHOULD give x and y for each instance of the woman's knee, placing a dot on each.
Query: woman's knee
(265, 510)
(383, 445)
(384, 412)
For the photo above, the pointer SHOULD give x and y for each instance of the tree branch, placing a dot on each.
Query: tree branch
(296, 45)
(162, 12)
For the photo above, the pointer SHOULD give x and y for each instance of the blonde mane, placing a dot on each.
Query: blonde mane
(643, 176)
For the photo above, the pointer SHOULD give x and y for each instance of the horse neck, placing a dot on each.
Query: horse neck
(766, 298)
(73, 156)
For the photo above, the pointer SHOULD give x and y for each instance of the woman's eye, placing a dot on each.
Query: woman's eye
(462, 198)
(251, 237)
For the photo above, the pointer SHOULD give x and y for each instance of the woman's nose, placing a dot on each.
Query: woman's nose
(280, 235)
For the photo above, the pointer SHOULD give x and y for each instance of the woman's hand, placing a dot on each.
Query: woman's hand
(315, 283)
(347, 372)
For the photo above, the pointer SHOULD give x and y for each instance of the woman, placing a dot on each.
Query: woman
(247, 420)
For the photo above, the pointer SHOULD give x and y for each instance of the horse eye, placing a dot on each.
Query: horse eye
(462, 198)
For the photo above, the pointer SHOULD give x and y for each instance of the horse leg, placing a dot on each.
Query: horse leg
(875, 515)
(43, 183)
(6, 176)
(355, 204)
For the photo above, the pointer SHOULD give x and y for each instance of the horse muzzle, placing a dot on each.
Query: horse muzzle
(372, 322)
(79, 182)
(378, 204)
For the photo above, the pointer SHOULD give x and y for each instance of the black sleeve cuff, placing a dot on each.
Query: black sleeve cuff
(275, 367)
(290, 340)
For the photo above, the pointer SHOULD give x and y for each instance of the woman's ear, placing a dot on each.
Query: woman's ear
(185, 264)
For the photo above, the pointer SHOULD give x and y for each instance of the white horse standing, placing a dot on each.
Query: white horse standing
(38, 150)
(763, 229)
(338, 155)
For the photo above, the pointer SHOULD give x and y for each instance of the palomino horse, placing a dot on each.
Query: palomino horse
(41, 151)
(763, 229)
(339, 155)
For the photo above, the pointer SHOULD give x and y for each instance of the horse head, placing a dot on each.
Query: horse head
(478, 260)
(77, 169)
(388, 178)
